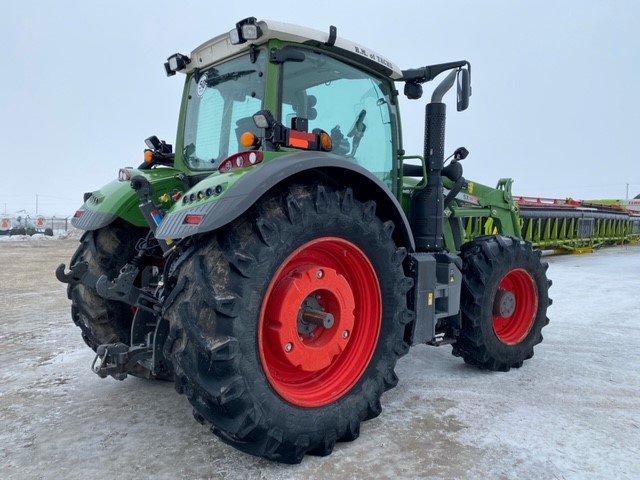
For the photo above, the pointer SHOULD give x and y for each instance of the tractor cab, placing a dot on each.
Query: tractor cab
(319, 101)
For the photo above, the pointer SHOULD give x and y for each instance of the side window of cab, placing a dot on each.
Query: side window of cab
(351, 105)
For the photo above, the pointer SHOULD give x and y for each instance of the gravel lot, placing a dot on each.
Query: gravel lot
(573, 411)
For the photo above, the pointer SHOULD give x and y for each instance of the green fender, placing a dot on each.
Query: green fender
(118, 200)
(234, 193)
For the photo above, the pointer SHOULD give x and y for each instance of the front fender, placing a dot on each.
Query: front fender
(243, 191)
(118, 200)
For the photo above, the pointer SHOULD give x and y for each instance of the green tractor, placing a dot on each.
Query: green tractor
(288, 253)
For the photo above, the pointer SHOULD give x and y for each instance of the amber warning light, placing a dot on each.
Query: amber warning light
(249, 139)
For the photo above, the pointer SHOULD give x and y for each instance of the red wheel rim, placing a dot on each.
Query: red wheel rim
(515, 307)
(315, 364)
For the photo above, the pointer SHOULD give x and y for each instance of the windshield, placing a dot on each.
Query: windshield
(221, 103)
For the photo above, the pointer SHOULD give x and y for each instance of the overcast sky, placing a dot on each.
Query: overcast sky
(555, 100)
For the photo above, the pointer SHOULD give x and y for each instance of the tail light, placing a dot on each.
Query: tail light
(241, 160)
(192, 219)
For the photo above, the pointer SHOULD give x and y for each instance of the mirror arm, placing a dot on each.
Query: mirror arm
(426, 74)
(444, 87)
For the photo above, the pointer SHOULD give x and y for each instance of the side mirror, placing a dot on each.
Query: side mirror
(464, 88)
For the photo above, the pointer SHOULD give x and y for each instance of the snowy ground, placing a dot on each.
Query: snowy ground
(573, 411)
(57, 235)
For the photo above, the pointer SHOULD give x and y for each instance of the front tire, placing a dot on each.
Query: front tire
(504, 302)
(286, 326)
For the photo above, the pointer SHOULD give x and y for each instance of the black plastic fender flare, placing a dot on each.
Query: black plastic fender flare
(250, 188)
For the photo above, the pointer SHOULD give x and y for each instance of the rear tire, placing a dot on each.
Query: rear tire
(504, 302)
(270, 384)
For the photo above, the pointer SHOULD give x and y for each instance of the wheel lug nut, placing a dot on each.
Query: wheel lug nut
(345, 334)
(320, 273)
(288, 347)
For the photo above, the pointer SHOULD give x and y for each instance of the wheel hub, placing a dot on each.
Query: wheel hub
(504, 304)
(515, 307)
(320, 322)
(315, 318)
(310, 311)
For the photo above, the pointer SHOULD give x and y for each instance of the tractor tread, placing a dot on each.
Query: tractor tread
(486, 260)
(212, 344)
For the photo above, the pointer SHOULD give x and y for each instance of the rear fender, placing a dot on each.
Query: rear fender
(246, 190)
(118, 200)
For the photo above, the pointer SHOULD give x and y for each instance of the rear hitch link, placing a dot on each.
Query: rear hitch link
(123, 289)
(118, 359)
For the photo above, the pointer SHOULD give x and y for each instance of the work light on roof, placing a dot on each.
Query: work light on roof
(175, 63)
(250, 32)
(246, 29)
(234, 36)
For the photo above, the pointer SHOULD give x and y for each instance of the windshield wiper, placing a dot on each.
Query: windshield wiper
(212, 81)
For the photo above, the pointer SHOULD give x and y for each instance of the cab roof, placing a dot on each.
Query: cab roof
(220, 47)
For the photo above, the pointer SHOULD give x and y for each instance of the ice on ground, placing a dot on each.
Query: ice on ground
(571, 412)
